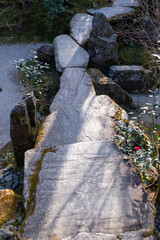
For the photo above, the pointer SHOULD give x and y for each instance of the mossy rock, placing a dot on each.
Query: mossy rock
(8, 205)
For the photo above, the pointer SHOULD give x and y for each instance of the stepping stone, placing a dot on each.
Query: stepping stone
(87, 187)
(75, 87)
(105, 85)
(126, 3)
(92, 120)
(132, 78)
(81, 26)
(111, 12)
(69, 54)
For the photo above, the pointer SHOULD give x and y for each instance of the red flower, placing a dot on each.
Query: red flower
(137, 148)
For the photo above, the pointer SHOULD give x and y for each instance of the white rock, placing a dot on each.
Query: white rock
(69, 54)
(92, 236)
(81, 26)
(75, 87)
(110, 12)
(87, 187)
(126, 3)
(92, 120)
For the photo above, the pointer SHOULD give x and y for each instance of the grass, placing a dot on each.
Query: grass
(17, 25)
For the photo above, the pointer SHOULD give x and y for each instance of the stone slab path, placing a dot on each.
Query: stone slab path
(11, 93)
(87, 187)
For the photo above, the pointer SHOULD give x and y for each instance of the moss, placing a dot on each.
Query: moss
(8, 205)
(149, 233)
(40, 133)
(118, 237)
(33, 180)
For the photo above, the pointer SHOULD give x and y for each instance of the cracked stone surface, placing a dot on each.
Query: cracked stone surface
(69, 54)
(87, 187)
(81, 26)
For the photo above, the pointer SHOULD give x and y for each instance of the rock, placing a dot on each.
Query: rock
(81, 26)
(92, 236)
(15, 184)
(138, 235)
(102, 43)
(8, 178)
(69, 54)
(93, 120)
(106, 86)
(8, 169)
(46, 54)
(9, 185)
(89, 184)
(131, 78)
(76, 86)
(111, 12)
(126, 3)
(23, 127)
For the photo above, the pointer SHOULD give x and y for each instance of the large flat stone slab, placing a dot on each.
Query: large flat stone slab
(92, 236)
(81, 26)
(126, 3)
(92, 120)
(75, 87)
(69, 54)
(111, 12)
(87, 187)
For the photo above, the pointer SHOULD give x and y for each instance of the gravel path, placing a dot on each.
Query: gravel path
(11, 93)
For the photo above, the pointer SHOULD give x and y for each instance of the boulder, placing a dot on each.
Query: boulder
(46, 54)
(69, 54)
(90, 185)
(81, 26)
(75, 88)
(102, 43)
(111, 12)
(92, 120)
(106, 86)
(126, 3)
(23, 127)
(132, 78)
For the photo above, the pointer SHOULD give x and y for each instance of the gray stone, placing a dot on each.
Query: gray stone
(46, 54)
(31, 156)
(2, 187)
(92, 236)
(15, 184)
(81, 26)
(111, 12)
(8, 169)
(105, 85)
(87, 187)
(131, 78)
(91, 121)
(102, 43)
(9, 185)
(8, 178)
(23, 127)
(126, 3)
(137, 235)
(69, 54)
(76, 86)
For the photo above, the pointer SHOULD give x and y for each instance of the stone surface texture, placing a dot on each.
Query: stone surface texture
(126, 3)
(69, 54)
(81, 26)
(23, 127)
(46, 54)
(75, 87)
(111, 12)
(137, 235)
(92, 236)
(106, 86)
(91, 121)
(87, 187)
(102, 43)
(131, 78)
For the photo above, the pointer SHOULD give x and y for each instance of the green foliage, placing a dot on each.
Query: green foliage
(6, 158)
(141, 147)
(54, 8)
(32, 70)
